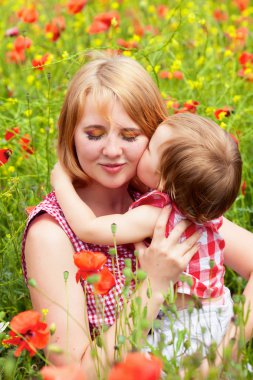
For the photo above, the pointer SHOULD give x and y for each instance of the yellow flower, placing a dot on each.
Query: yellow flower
(222, 115)
(127, 53)
(30, 79)
(115, 5)
(223, 125)
(236, 98)
(11, 169)
(228, 53)
(28, 113)
(151, 9)
(65, 54)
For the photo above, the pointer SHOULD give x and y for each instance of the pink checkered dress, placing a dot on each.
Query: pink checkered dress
(102, 309)
(205, 270)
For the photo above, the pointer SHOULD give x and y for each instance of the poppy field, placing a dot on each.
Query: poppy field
(199, 53)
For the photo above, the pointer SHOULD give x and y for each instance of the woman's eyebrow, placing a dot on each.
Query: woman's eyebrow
(91, 126)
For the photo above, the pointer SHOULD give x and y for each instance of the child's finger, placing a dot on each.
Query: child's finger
(159, 231)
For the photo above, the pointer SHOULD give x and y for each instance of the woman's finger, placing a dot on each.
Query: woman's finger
(178, 230)
(189, 254)
(189, 242)
(159, 231)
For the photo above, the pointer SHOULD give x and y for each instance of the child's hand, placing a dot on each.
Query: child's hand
(59, 176)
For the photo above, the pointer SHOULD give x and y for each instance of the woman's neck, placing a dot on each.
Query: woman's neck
(104, 201)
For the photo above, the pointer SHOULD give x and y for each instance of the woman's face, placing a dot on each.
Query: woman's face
(109, 149)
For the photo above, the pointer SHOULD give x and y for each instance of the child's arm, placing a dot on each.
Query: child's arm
(132, 227)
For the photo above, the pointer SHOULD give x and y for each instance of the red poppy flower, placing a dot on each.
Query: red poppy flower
(12, 32)
(189, 106)
(70, 372)
(28, 15)
(75, 6)
(39, 63)
(139, 366)
(21, 43)
(10, 133)
(4, 156)
(105, 283)
(102, 22)
(220, 15)
(162, 10)
(56, 26)
(15, 56)
(29, 209)
(25, 142)
(243, 188)
(28, 332)
(88, 263)
(246, 58)
(178, 75)
(127, 44)
(241, 4)
(165, 74)
(226, 111)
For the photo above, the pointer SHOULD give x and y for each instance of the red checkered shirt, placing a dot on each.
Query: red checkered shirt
(102, 309)
(205, 271)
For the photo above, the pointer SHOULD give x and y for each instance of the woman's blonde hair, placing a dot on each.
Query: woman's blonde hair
(201, 167)
(108, 78)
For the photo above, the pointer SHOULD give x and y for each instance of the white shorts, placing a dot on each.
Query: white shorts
(187, 331)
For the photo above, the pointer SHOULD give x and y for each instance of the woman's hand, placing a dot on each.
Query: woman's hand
(166, 258)
(59, 176)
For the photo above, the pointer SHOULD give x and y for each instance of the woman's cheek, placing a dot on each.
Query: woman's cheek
(138, 149)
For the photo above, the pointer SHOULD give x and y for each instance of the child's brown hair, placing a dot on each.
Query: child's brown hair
(201, 167)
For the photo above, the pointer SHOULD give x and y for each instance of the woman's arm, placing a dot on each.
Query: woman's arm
(132, 227)
(239, 257)
(49, 253)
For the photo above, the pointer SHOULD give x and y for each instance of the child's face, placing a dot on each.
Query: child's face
(148, 167)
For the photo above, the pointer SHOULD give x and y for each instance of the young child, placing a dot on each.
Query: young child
(196, 167)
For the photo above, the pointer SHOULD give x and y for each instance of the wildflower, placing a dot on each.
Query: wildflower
(105, 283)
(28, 15)
(189, 106)
(220, 113)
(219, 15)
(12, 32)
(139, 366)
(10, 133)
(70, 372)
(4, 156)
(39, 63)
(165, 74)
(127, 44)
(29, 209)
(178, 75)
(243, 188)
(21, 43)
(75, 6)
(89, 264)
(103, 22)
(162, 11)
(241, 4)
(55, 27)
(25, 142)
(28, 332)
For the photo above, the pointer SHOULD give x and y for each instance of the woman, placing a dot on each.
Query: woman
(117, 95)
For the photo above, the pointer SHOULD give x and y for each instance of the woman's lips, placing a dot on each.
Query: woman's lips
(112, 168)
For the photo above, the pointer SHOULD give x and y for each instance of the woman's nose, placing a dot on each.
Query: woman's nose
(112, 147)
